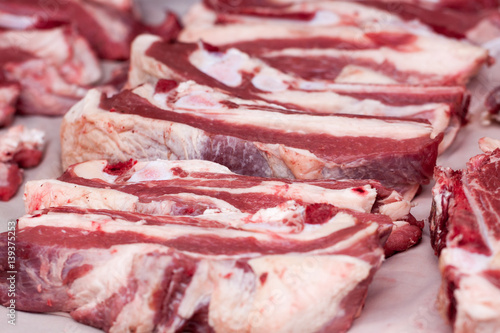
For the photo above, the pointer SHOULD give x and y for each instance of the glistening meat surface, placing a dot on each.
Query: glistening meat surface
(465, 232)
(346, 42)
(249, 78)
(205, 190)
(198, 274)
(196, 122)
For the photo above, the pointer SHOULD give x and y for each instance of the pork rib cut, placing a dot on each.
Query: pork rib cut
(249, 137)
(247, 77)
(197, 188)
(465, 233)
(345, 42)
(474, 20)
(214, 272)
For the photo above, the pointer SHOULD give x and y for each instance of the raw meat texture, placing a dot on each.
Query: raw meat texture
(22, 146)
(346, 42)
(240, 75)
(54, 68)
(11, 177)
(249, 137)
(479, 21)
(19, 148)
(199, 188)
(465, 232)
(197, 273)
(124, 5)
(108, 29)
(9, 93)
(248, 5)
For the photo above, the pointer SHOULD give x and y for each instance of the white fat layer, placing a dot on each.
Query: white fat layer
(41, 194)
(49, 44)
(478, 302)
(18, 138)
(396, 209)
(165, 204)
(331, 102)
(162, 169)
(472, 263)
(282, 304)
(269, 80)
(149, 273)
(323, 17)
(358, 74)
(199, 291)
(488, 145)
(147, 171)
(104, 280)
(204, 103)
(93, 170)
(224, 67)
(16, 22)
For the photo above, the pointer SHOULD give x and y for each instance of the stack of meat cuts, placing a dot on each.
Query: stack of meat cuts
(188, 246)
(465, 230)
(306, 91)
(51, 48)
(252, 174)
(50, 57)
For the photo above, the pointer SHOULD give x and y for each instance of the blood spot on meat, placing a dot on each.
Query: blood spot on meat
(209, 47)
(263, 278)
(319, 213)
(359, 190)
(179, 172)
(163, 86)
(118, 169)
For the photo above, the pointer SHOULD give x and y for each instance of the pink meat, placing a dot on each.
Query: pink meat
(196, 188)
(9, 93)
(19, 148)
(465, 233)
(175, 278)
(108, 29)
(11, 177)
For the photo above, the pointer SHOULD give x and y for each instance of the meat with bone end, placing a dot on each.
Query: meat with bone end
(250, 78)
(19, 148)
(108, 29)
(200, 272)
(197, 188)
(334, 43)
(465, 233)
(251, 138)
(52, 78)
